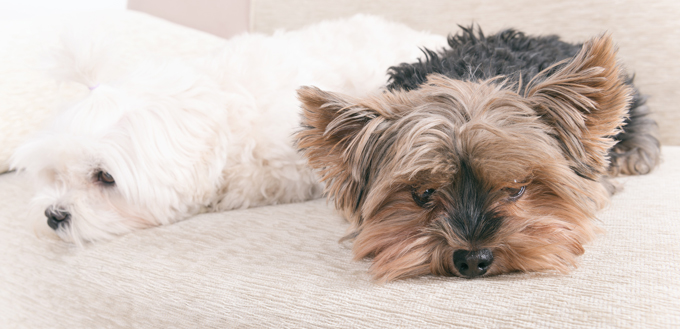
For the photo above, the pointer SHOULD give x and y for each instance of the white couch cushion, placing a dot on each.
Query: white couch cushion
(282, 266)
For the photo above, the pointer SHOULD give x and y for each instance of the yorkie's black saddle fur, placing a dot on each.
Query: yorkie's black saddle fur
(519, 58)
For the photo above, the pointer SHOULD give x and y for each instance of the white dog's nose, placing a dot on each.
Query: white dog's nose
(56, 217)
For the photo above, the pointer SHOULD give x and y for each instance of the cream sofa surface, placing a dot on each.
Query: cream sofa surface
(282, 266)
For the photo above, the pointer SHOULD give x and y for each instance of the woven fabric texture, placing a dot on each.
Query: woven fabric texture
(282, 267)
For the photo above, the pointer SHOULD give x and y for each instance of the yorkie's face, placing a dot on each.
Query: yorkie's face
(470, 179)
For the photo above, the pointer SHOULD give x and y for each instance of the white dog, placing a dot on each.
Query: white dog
(170, 140)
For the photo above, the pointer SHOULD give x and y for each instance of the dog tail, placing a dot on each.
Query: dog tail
(82, 56)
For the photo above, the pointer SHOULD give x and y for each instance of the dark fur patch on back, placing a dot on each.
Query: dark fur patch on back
(474, 56)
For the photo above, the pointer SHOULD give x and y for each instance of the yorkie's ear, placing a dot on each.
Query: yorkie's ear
(337, 135)
(586, 101)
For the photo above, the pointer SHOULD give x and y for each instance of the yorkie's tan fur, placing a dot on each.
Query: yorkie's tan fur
(512, 175)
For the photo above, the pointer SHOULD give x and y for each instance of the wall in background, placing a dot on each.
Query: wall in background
(223, 18)
(21, 9)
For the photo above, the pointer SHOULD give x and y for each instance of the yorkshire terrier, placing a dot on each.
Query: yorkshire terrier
(488, 157)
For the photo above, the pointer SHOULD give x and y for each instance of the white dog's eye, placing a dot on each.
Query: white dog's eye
(105, 178)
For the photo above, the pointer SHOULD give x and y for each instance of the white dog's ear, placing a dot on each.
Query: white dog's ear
(83, 56)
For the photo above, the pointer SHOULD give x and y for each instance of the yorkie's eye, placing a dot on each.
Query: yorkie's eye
(105, 178)
(422, 198)
(515, 193)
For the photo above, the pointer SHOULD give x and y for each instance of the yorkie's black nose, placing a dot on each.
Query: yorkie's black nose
(56, 217)
(474, 263)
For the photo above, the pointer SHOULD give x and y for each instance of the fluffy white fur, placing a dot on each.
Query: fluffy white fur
(183, 137)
